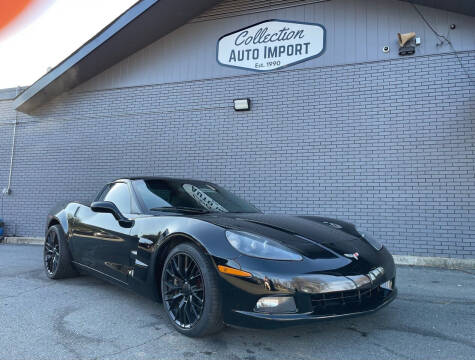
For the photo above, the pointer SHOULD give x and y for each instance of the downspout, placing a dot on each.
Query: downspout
(8, 190)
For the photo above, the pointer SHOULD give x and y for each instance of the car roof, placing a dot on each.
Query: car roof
(159, 178)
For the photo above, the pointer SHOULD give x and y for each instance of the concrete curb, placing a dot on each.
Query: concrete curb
(439, 262)
(23, 240)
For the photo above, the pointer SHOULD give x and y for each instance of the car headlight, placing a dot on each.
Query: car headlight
(372, 241)
(259, 246)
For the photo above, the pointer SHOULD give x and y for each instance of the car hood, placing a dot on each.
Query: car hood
(312, 236)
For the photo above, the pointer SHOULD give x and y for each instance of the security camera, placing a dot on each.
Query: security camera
(385, 49)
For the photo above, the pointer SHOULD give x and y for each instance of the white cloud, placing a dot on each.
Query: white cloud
(28, 49)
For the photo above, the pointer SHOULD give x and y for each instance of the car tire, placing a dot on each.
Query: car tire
(210, 320)
(56, 255)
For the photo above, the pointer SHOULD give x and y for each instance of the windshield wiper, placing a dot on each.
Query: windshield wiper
(180, 208)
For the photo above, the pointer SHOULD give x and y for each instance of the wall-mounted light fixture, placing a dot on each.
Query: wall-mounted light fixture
(406, 43)
(242, 104)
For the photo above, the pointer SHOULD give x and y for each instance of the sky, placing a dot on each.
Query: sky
(48, 32)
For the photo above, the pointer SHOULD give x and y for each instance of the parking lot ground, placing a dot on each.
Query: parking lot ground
(86, 318)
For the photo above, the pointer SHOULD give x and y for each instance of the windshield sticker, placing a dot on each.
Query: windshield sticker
(202, 198)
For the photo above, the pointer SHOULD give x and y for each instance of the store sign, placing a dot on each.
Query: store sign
(271, 45)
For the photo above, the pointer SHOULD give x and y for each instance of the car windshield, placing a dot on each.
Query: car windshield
(164, 194)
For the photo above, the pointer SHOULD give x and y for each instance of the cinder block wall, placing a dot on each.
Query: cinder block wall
(388, 145)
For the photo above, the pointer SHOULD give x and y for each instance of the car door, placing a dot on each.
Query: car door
(98, 239)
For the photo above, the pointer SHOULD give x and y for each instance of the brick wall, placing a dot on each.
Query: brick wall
(388, 145)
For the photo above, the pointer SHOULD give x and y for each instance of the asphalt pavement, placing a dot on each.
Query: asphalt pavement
(86, 318)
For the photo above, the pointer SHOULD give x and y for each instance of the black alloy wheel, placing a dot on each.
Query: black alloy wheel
(51, 253)
(184, 290)
(56, 256)
(190, 293)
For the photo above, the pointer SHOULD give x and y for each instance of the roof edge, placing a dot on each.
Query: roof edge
(101, 37)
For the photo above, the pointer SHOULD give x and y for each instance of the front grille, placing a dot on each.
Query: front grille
(348, 301)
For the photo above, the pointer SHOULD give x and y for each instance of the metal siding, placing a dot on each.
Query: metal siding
(240, 7)
(356, 32)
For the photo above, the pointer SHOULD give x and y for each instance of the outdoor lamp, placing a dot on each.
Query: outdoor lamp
(242, 104)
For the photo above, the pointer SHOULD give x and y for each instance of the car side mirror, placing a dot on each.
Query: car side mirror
(111, 208)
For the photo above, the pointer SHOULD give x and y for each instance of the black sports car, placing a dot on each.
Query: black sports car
(213, 258)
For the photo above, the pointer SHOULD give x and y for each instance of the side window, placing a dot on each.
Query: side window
(103, 193)
(119, 194)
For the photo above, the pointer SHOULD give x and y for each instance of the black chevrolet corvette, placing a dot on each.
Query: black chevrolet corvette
(215, 259)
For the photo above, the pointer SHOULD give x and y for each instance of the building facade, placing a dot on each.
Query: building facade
(359, 132)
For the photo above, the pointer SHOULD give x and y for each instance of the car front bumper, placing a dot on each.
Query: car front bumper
(268, 321)
(317, 295)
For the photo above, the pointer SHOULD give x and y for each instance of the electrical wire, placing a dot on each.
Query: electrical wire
(443, 38)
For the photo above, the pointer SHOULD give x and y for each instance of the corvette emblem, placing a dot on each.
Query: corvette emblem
(354, 255)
